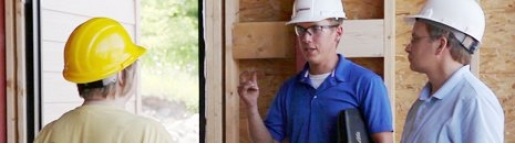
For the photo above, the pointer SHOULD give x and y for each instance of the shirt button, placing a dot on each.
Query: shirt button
(315, 96)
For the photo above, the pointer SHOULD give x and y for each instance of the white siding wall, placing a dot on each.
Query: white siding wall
(58, 19)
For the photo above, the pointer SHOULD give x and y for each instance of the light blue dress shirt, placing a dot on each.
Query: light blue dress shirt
(463, 110)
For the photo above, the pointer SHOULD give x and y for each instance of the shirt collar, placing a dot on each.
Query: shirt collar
(447, 87)
(341, 72)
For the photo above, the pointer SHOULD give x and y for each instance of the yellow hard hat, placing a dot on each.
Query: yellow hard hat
(97, 49)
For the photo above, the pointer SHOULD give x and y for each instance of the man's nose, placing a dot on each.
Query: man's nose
(407, 48)
(306, 37)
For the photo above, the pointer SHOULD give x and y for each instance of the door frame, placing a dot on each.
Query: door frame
(3, 115)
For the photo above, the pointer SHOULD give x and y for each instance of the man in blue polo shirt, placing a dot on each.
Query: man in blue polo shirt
(306, 107)
(454, 106)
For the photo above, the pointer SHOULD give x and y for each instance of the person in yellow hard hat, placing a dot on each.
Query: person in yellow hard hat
(100, 58)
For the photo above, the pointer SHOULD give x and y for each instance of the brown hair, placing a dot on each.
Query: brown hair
(458, 52)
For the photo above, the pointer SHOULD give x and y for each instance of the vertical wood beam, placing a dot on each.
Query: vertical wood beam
(389, 53)
(232, 101)
(214, 71)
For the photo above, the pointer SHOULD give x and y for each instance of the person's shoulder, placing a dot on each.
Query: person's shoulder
(358, 71)
(473, 88)
(292, 80)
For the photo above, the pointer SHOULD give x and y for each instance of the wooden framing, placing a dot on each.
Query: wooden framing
(389, 53)
(213, 66)
(362, 38)
(3, 102)
(138, 106)
(232, 101)
(262, 40)
(15, 71)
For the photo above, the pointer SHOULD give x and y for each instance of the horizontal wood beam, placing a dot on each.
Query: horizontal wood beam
(256, 40)
(362, 38)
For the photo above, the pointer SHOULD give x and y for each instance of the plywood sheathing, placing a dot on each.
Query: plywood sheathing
(271, 74)
(497, 57)
(407, 82)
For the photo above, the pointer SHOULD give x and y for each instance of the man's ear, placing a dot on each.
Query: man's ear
(121, 76)
(442, 45)
(339, 33)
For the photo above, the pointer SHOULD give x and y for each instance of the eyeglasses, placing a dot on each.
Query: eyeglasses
(315, 29)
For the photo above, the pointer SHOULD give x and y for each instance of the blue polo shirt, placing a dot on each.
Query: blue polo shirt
(463, 110)
(301, 113)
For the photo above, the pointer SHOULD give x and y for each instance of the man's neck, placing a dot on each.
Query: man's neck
(116, 102)
(323, 67)
(440, 75)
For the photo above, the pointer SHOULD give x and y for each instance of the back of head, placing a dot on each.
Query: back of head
(465, 18)
(316, 10)
(96, 51)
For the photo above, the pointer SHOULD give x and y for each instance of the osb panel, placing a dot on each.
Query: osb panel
(272, 73)
(499, 28)
(374, 64)
(405, 77)
(280, 10)
(497, 60)
(503, 86)
(407, 82)
(402, 29)
(364, 9)
(489, 5)
(409, 95)
(265, 10)
(407, 87)
(497, 67)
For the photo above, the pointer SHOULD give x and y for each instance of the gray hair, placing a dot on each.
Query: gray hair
(110, 88)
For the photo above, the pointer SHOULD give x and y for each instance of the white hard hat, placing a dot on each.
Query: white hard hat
(465, 16)
(316, 10)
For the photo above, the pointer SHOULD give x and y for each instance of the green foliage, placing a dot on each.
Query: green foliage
(169, 30)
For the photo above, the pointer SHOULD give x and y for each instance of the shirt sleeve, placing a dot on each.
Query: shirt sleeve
(375, 104)
(483, 121)
(275, 121)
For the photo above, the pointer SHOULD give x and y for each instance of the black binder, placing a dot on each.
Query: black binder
(352, 127)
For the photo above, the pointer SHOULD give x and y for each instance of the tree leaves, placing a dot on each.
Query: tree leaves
(169, 31)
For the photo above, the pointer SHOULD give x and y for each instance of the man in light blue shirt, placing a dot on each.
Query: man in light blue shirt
(454, 105)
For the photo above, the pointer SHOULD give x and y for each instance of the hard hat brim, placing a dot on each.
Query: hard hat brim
(308, 19)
